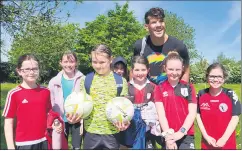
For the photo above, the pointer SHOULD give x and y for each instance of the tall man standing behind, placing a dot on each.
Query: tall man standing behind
(158, 44)
(155, 47)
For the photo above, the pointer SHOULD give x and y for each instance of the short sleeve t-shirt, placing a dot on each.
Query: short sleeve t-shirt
(216, 113)
(144, 95)
(103, 89)
(30, 108)
(175, 101)
(156, 55)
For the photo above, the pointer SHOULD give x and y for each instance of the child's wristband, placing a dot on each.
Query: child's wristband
(168, 132)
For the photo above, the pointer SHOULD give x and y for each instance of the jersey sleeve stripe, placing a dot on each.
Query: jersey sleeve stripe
(9, 99)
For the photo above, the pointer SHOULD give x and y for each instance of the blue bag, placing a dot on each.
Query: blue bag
(118, 80)
(134, 136)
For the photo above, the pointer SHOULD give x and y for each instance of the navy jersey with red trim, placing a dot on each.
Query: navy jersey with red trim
(141, 96)
(30, 108)
(175, 101)
(216, 113)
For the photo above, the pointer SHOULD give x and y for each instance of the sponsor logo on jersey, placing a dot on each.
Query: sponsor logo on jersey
(214, 100)
(205, 106)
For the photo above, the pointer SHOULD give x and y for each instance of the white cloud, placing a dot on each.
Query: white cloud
(214, 43)
(234, 15)
(236, 41)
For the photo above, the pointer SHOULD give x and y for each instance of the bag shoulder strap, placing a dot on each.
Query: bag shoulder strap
(143, 44)
(88, 82)
(118, 80)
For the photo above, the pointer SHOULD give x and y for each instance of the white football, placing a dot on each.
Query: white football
(119, 109)
(79, 103)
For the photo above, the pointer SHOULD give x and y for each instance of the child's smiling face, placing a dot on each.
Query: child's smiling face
(101, 62)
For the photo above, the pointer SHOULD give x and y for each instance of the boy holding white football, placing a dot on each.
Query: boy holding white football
(100, 133)
(62, 85)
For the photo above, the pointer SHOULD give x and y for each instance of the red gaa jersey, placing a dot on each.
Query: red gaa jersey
(30, 107)
(216, 113)
(144, 95)
(175, 101)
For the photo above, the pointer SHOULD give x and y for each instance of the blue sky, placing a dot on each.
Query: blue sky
(217, 24)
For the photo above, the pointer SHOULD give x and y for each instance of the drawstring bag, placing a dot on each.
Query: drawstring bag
(134, 135)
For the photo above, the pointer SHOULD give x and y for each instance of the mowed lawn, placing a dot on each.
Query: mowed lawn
(236, 87)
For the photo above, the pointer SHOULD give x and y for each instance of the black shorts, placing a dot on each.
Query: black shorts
(97, 141)
(40, 146)
(186, 143)
(74, 129)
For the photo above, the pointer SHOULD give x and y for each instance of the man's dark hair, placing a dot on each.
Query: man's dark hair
(154, 12)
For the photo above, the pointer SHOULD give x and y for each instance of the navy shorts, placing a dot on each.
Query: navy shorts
(97, 141)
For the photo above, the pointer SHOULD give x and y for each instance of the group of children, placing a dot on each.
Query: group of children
(176, 105)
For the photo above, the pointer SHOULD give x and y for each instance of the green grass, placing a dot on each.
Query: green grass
(5, 87)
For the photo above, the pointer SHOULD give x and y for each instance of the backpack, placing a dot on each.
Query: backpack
(143, 44)
(118, 80)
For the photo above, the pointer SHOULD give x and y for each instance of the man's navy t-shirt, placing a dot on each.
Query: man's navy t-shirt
(156, 55)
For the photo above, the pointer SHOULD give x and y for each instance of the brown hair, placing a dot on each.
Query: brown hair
(69, 54)
(141, 60)
(103, 49)
(173, 55)
(25, 57)
(214, 66)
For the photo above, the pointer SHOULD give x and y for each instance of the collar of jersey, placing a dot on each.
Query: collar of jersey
(146, 82)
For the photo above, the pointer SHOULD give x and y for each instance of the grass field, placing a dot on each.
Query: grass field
(236, 87)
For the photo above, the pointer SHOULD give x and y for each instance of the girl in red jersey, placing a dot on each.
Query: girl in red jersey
(176, 105)
(218, 111)
(29, 103)
(145, 120)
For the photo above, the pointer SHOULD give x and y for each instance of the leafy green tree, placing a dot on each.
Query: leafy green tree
(177, 27)
(118, 29)
(16, 14)
(47, 41)
(232, 66)
(198, 70)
